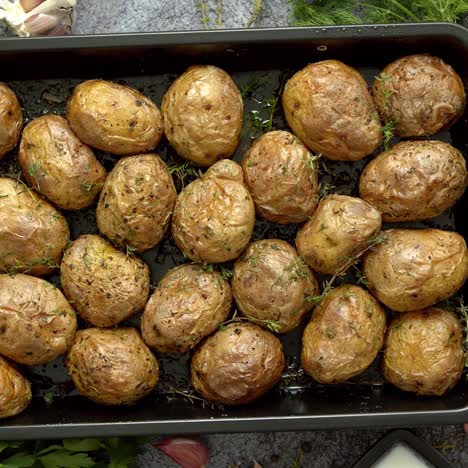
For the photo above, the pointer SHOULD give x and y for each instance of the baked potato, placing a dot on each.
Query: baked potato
(328, 106)
(420, 94)
(202, 113)
(33, 233)
(214, 216)
(112, 367)
(11, 120)
(114, 118)
(37, 324)
(340, 227)
(424, 351)
(416, 268)
(238, 364)
(15, 390)
(105, 285)
(271, 283)
(415, 180)
(188, 304)
(281, 176)
(344, 336)
(58, 165)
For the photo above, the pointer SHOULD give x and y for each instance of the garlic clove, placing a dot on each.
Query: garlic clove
(29, 5)
(188, 453)
(38, 25)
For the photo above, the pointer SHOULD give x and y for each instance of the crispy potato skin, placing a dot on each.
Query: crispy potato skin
(137, 202)
(15, 390)
(238, 364)
(37, 324)
(202, 112)
(340, 227)
(344, 336)
(415, 180)
(58, 165)
(420, 93)
(105, 285)
(416, 268)
(270, 282)
(214, 216)
(112, 367)
(114, 118)
(11, 120)
(281, 177)
(33, 233)
(188, 304)
(424, 351)
(328, 106)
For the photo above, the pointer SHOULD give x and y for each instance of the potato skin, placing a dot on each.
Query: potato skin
(105, 285)
(15, 390)
(238, 364)
(340, 227)
(328, 106)
(424, 351)
(137, 202)
(202, 112)
(112, 367)
(344, 336)
(415, 180)
(415, 268)
(281, 177)
(37, 324)
(114, 118)
(420, 93)
(271, 282)
(214, 216)
(11, 120)
(58, 165)
(33, 233)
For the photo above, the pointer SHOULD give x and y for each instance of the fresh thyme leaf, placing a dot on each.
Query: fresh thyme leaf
(130, 251)
(388, 133)
(87, 186)
(183, 171)
(226, 273)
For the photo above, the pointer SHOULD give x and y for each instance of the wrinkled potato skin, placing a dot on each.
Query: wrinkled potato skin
(119, 284)
(424, 351)
(328, 106)
(136, 202)
(340, 227)
(37, 324)
(415, 180)
(112, 367)
(58, 165)
(416, 268)
(270, 282)
(238, 364)
(11, 120)
(188, 304)
(344, 336)
(33, 233)
(281, 178)
(15, 390)
(114, 118)
(214, 216)
(420, 93)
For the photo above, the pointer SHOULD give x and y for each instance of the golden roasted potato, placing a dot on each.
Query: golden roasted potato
(58, 165)
(416, 268)
(11, 120)
(105, 285)
(188, 304)
(424, 351)
(114, 118)
(415, 180)
(37, 324)
(112, 367)
(340, 227)
(15, 390)
(281, 177)
(420, 94)
(271, 283)
(238, 364)
(202, 113)
(344, 336)
(33, 233)
(328, 106)
(214, 216)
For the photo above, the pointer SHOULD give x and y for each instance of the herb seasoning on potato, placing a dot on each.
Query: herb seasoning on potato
(11, 120)
(15, 390)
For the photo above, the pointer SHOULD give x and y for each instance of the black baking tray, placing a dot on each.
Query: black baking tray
(43, 71)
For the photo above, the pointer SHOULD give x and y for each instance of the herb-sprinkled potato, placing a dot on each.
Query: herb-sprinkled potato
(11, 120)
(15, 390)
